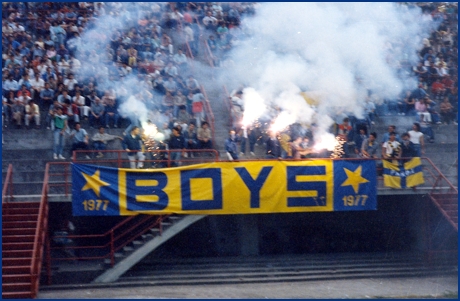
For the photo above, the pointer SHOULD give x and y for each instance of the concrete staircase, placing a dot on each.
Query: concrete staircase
(448, 205)
(280, 268)
(144, 245)
(88, 272)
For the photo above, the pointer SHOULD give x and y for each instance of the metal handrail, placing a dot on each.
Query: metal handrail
(40, 236)
(441, 176)
(208, 54)
(214, 156)
(7, 192)
(127, 235)
(228, 103)
(210, 113)
(64, 176)
(429, 174)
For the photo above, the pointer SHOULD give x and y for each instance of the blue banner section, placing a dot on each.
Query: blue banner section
(226, 188)
(355, 185)
(94, 190)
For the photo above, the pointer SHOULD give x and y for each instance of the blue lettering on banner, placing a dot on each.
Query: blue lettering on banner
(254, 186)
(133, 190)
(307, 186)
(215, 175)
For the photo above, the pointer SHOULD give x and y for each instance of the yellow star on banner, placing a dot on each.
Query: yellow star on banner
(94, 182)
(354, 178)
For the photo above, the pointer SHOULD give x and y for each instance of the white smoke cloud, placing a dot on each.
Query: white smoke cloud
(337, 50)
(93, 55)
(134, 108)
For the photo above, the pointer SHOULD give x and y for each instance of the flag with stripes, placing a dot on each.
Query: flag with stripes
(402, 175)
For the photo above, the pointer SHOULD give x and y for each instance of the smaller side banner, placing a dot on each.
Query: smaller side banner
(402, 174)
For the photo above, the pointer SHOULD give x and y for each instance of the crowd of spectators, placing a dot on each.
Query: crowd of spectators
(46, 67)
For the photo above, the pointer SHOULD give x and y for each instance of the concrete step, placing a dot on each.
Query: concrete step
(25, 176)
(34, 189)
(30, 165)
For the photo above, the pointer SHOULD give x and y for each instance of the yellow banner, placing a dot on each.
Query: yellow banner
(226, 188)
(236, 200)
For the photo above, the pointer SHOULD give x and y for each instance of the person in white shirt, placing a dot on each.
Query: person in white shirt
(416, 137)
(37, 84)
(70, 82)
(391, 149)
(209, 21)
(79, 100)
(32, 112)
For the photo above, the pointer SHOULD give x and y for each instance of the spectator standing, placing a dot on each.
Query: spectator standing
(231, 146)
(391, 129)
(392, 148)
(370, 146)
(176, 145)
(134, 145)
(407, 148)
(60, 126)
(273, 150)
(359, 139)
(346, 133)
(197, 107)
(416, 137)
(191, 139)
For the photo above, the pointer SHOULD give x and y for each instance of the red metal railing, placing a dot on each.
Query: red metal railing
(159, 158)
(208, 54)
(228, 104)
(40, 236)
(209, 112)
(189, 54)
(435, 181)
(7, 192)
(102, 246)
(60, 179)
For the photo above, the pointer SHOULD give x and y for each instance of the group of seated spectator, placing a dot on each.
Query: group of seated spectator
(42, 62)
